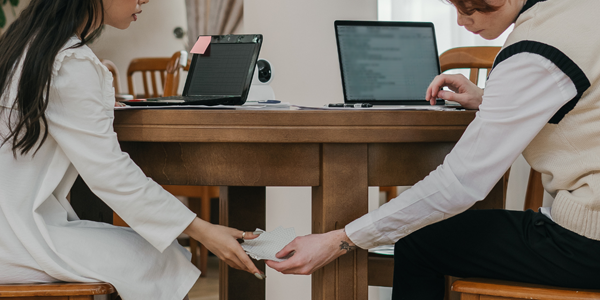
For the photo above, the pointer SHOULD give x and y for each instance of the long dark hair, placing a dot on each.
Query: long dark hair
(43, 27)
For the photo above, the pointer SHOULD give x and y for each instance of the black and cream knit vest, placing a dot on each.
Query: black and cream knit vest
(567, 150)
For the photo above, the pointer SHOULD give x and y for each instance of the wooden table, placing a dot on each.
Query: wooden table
(338, 153)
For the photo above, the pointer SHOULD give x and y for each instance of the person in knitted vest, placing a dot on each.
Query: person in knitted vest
(542, 99)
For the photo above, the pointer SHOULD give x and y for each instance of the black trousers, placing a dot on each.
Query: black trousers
(522, 246)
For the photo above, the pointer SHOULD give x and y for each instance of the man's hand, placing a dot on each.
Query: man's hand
(311, 252)
(462, 91)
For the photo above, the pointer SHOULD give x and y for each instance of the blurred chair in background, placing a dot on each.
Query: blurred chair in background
(150, 68)
(115, 73)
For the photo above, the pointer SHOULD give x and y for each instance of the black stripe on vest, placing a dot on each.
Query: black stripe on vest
(529, 4)
(562, 61)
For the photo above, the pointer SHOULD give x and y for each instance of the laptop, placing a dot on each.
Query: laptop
(220, 76)
(386, 63)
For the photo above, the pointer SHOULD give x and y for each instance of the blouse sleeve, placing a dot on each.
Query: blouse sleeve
(522, 93)
(80, 119)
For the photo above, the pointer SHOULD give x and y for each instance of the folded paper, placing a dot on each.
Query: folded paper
(269, 243)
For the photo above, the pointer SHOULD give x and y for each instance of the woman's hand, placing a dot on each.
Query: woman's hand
(222, 241)
(464, 91)
(311, 252)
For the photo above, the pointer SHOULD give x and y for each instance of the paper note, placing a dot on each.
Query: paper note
(269, 243)
(201, 45)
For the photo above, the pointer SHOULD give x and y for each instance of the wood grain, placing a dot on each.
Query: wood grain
(493, 289)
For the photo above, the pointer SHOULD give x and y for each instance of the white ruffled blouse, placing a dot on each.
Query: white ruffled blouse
(41, 237)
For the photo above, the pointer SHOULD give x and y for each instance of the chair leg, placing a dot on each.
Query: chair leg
(204, 215)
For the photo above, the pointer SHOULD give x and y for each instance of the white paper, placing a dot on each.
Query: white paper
(269, 243)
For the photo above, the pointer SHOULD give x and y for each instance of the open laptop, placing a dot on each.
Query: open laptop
(386, 63)
(222, 75)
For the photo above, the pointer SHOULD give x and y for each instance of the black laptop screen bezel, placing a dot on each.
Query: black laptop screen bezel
(255, 39)
(339, 23)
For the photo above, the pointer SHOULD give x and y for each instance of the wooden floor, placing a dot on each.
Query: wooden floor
(207, 288)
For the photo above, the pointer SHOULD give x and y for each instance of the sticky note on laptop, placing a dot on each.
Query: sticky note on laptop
(201, 45)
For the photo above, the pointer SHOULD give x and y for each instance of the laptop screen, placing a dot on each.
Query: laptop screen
(386, 62)
(225, 68)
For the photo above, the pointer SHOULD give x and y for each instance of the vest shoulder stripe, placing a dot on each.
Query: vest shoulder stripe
(561, 60)
(529, 4)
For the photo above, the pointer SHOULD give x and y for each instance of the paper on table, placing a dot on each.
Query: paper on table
(201, 45)
(269, 243)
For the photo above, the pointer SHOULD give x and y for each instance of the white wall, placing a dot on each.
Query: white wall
(150, 36)
(299, 40)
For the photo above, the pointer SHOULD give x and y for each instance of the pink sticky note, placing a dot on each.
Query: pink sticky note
(201, 45)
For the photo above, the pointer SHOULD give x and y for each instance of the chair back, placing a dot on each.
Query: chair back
(151, 68)
(112, 68)
(473, 58)
(173, 73)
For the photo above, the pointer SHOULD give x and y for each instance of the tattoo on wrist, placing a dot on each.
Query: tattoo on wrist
(345, 246)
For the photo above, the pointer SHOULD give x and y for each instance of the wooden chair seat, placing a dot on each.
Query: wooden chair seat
(58, 291)
(490, 289)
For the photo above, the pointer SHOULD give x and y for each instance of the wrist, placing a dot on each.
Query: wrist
(197, 229)
(345, 244)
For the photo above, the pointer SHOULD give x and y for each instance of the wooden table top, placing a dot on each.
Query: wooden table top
(295, 126)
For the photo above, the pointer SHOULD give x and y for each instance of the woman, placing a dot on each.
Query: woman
(56, 112)
(542, 99)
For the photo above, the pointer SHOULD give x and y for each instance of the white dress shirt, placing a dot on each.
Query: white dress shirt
(522, 93)
(41, 237)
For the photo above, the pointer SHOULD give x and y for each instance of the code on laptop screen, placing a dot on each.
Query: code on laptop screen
(222, 70)
(387, 63)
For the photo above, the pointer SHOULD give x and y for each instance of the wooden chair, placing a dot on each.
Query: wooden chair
(151, 68)
(58, 291)
(488, 289)
(115, 73)
(472, 58)
(491, 289)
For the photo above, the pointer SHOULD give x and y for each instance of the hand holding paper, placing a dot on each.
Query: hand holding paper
(269, 243)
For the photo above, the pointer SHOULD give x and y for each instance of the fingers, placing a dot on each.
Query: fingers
(290, 266)
(453, 81)
(247, 263)
(250, 235)
(287, 250)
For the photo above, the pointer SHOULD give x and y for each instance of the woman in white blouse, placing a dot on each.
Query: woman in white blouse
(56, 113)
(542, 99)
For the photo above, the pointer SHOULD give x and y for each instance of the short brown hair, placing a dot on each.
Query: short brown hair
(469, 7)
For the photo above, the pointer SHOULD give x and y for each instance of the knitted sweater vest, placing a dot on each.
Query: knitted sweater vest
(567, 150)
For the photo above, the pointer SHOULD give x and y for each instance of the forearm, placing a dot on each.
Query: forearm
(198, 229)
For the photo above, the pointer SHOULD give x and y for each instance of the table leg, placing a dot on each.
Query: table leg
(341, 197)
(243, 208)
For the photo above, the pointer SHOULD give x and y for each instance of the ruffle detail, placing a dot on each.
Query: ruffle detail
(85, 53)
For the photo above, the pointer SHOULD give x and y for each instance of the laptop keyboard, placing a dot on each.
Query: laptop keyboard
(189, 98)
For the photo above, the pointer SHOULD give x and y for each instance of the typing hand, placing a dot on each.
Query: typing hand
(311, 252)
(462, 91)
